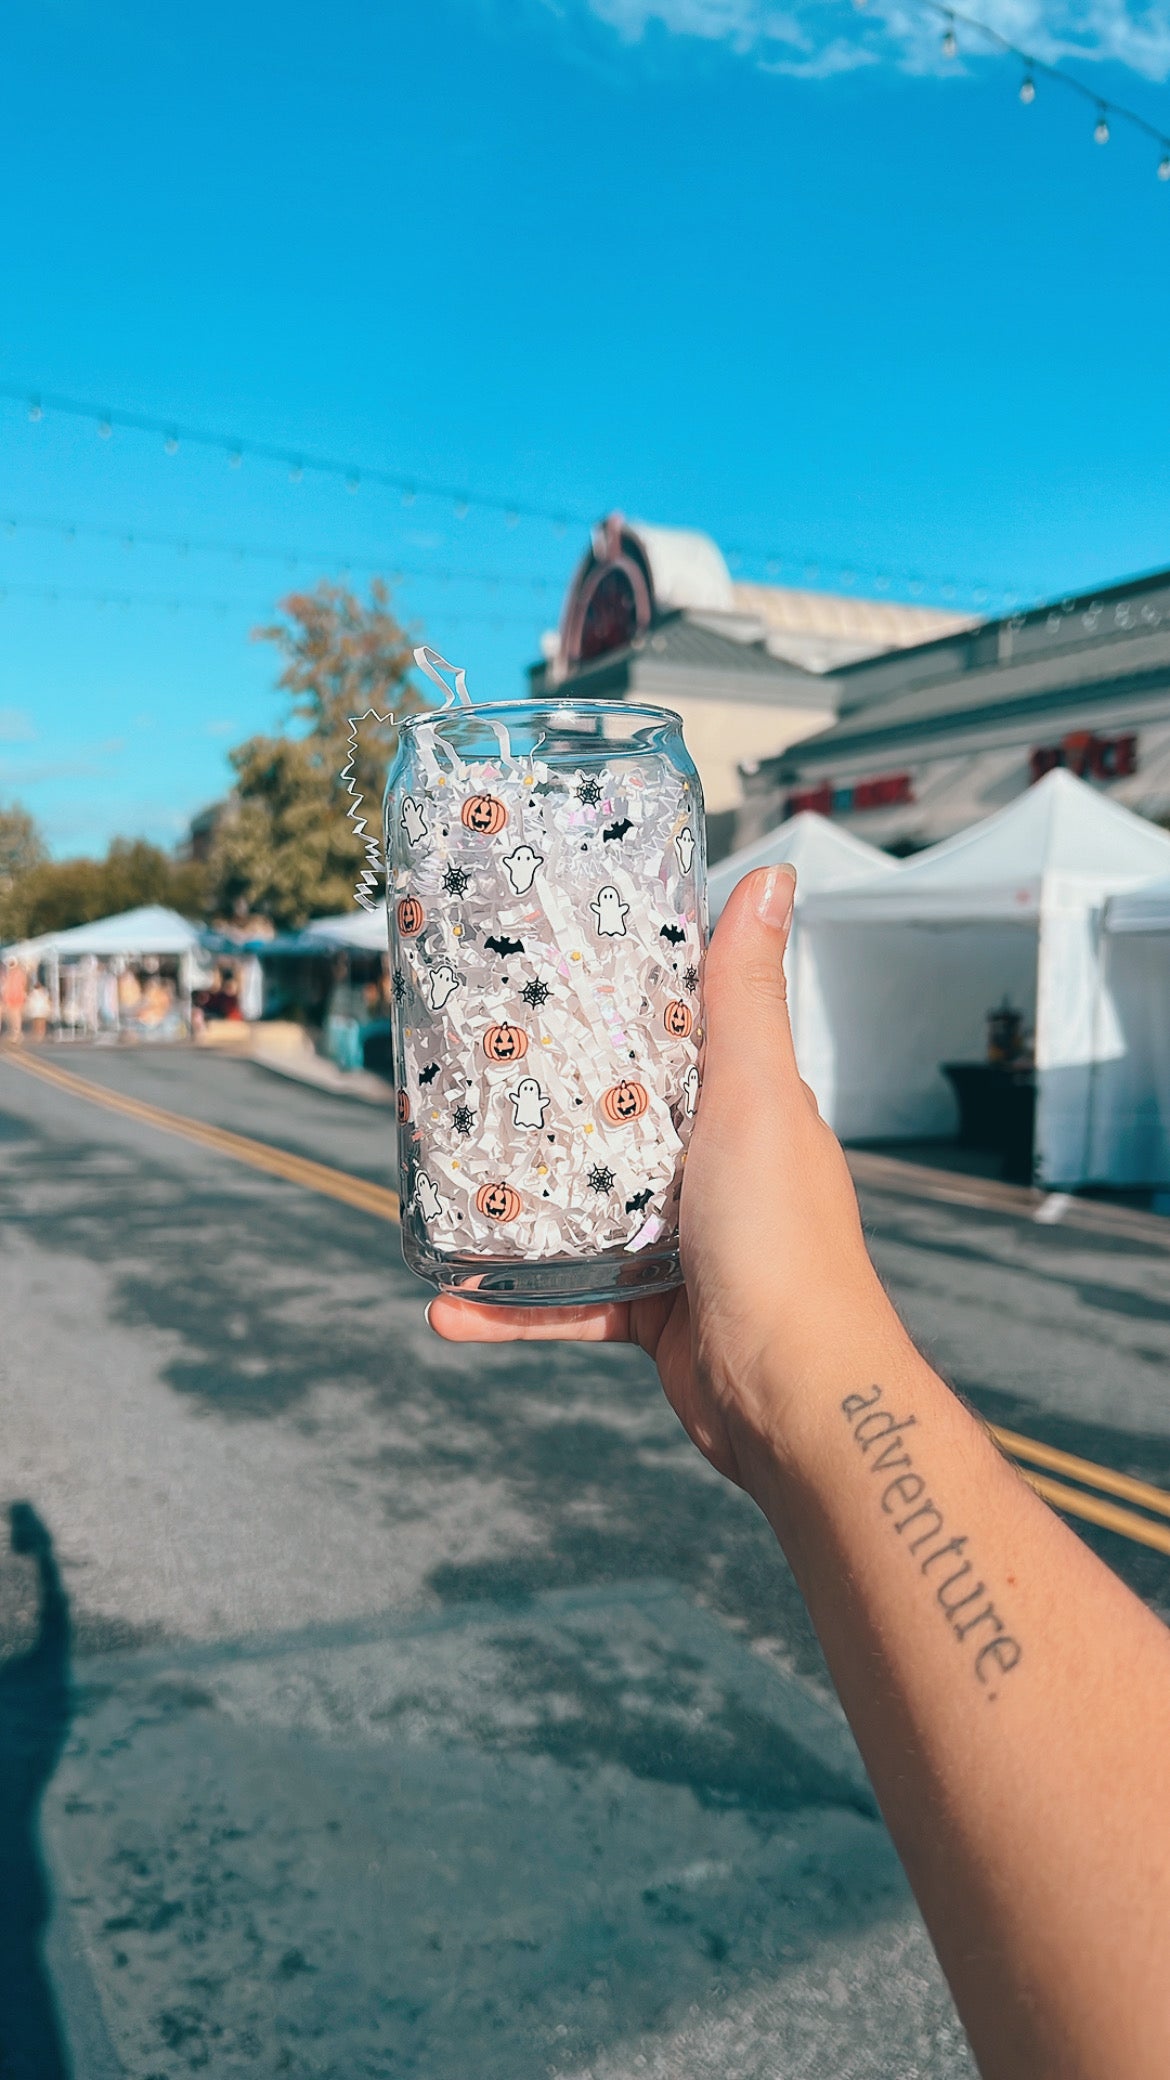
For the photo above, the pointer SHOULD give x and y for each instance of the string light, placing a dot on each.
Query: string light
(34, 409)
(1106, 110)
(244, 552)
(104, 429)
(297, 464)
(174, 603)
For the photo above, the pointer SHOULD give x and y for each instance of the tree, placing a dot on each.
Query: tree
(52, 895)
(21, 844)
(288, 848)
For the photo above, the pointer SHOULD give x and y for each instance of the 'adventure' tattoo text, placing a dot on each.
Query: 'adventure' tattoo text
(968, 1609)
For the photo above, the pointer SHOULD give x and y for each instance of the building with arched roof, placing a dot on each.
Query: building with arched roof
(654, 614)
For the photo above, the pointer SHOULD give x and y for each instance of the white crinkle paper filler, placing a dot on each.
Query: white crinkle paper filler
(547, 972)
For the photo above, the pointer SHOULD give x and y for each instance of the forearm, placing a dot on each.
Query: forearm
(1012, 1702)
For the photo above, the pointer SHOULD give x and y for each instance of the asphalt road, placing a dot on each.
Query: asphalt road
(373, 1707)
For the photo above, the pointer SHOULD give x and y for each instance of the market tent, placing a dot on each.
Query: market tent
(133, 933)
(823, 854)
(899, 974)
(1131, 1082)
(364, 930)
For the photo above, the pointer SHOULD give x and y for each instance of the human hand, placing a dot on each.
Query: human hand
(777, 1273)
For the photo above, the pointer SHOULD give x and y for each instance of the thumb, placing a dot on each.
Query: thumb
(745, 1000)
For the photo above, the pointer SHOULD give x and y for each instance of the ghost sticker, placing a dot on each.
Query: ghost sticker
(684, 845)
(426, 1197)
(690, 1086)
(529, 1103)
(414, 823)
(441, 984)
(610, 912)
(520, 867)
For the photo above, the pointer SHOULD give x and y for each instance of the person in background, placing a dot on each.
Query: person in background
(38, 1010)
(13, 996)
(1010, 1696)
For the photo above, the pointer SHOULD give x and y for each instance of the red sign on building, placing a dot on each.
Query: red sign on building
(888, 791)
(1087, 755)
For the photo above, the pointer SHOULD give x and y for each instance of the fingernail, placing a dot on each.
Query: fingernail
(427, 1313)
(775, 900)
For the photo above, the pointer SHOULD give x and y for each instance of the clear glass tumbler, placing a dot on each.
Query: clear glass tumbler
(547, 904)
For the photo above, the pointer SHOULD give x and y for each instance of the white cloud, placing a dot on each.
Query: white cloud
(16, 726)
(816, 38)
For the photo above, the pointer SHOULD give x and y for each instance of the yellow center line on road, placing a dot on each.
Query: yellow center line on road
(259, 1155)
(1095, 1510)
(1085, 1470)
(383, 1205)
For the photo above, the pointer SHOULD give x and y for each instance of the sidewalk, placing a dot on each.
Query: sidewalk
(313, 1069)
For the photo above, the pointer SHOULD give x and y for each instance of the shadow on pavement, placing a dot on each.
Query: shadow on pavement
(35, 1711)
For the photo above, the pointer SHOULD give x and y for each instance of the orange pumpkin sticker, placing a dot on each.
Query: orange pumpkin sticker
(411, 917)
(505, 1043)
(677, 1019)
(624, 1101)
(498, 1202)
(402, 1107)
(484, 813)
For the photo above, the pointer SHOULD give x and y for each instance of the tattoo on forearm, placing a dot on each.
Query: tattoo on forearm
(916, 1519)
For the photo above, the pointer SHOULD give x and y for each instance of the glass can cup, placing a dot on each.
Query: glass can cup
(547, 914)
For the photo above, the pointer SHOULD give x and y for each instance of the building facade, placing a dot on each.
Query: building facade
(930, 739)
(653, 614)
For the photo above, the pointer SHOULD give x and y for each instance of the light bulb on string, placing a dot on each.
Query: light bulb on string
(950, 42)
(35, 411)
(171, 444)
(461, 509)
(1164, 168)
(408, 495)
(296, 471)
(511, 519)
(353, 481)
(234, 458)
(1101, 128)
(104, 429)
(1027, 90)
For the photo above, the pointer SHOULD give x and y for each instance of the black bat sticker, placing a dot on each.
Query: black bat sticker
(428, 1074)
(616, 830)
(669, 931)
(505, 945)
(640, 1202)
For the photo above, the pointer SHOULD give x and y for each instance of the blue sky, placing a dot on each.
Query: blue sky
(782, 273)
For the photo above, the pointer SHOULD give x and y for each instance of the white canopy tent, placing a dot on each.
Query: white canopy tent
(366, 931)
(1130, 1100)
(824, 855)
(75, 957)
(134, 934)
(897, 975)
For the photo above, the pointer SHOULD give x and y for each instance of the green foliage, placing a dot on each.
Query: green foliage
(55, 894)
(287, 848)
(21, 845)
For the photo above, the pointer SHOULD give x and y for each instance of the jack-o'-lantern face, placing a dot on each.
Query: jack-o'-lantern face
(505, 1043)
(411, 917)
(677, 1019)
(402, 1107)
(625, 1101)
(484, 813)
(498, 1202)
